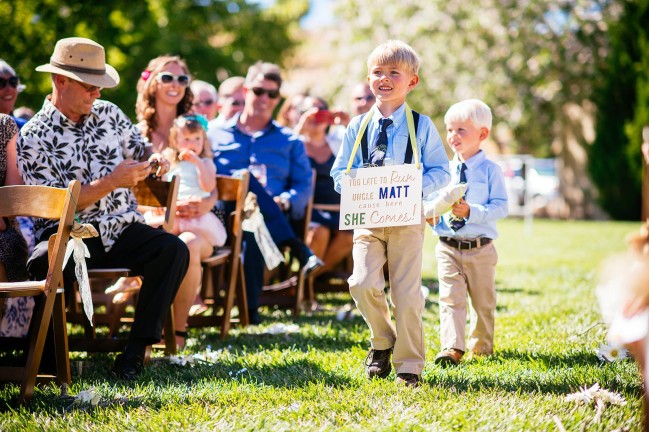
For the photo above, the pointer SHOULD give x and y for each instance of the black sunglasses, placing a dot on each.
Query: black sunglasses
(12, 81)
(367, 98)
(168, 78)
(273, 94)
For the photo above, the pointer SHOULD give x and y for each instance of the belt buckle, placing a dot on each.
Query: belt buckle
(467, 242)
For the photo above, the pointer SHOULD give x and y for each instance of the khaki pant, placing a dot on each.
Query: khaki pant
(402, 248)
(463, 272)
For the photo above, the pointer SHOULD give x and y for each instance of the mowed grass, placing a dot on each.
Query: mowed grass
(546, 338)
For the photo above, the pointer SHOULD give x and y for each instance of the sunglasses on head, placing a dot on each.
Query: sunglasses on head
(12, 81)
(168, 78)
(196, 118)
(367, 98)
(273, 94)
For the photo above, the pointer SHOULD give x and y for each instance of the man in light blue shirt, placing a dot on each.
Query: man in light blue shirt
(254, 138)
(466, 256)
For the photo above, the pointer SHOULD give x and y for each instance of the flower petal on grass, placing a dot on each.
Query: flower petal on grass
(611, 353)
(596, 395)
(90, 396)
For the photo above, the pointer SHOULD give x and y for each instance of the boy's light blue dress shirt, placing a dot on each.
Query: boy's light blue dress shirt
(429, 145)
(486, 195)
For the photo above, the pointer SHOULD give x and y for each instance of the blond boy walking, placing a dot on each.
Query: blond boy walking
(466, 256)
(392, 74)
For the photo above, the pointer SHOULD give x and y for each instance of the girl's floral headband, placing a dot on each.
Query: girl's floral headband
(145, 75)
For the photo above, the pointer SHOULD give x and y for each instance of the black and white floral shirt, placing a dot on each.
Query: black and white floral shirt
(53, 150)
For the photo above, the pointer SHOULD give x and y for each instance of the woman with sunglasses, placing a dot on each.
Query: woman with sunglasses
(18, 311)
(164, 95)
(10, 86)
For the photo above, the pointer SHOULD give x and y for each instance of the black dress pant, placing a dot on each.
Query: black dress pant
(280, 230)
(159, 257)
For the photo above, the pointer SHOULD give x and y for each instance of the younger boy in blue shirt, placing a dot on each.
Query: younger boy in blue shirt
(466, 256)
(392, 74)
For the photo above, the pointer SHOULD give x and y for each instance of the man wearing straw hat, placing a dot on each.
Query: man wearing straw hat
(77, 136)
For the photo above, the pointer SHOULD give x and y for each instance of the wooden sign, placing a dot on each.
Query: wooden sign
(381, 197)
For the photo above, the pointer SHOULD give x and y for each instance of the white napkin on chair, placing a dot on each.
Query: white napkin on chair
(77, 248)
(254, 222)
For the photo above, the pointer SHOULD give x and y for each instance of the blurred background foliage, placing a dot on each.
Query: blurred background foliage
(217, 38)
(565, 78)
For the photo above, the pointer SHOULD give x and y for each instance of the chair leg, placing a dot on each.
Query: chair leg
(299, 294)
(207, 287)
(117, 312)
(309, 294)
(63, 375)
(171, 348)
(38, 334)
(242, 299)
(227, 308)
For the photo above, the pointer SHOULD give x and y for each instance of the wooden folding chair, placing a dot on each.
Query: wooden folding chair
(286, 285)
(149, 192)
(49, 203)
(223, 278)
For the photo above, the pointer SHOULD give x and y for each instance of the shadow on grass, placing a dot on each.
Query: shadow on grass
(517, 291)
(287, 374)
(341, 337)
(517, 371)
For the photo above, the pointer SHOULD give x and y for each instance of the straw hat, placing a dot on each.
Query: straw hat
(83, 60)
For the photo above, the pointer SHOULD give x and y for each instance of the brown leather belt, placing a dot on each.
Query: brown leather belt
(466, 244)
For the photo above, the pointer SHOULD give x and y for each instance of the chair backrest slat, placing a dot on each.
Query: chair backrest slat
(33, 201)
(234, 189)
(153, 192)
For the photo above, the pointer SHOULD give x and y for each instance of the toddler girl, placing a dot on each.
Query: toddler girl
(191, 159)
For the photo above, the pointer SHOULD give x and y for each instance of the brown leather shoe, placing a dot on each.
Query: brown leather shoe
(408, 379)
(377, 363)
(449, 357)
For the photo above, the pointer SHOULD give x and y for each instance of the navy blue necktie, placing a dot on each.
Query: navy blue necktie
(457, 222)
(381, 145)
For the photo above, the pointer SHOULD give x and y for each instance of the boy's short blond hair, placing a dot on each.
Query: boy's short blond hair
(395, 52)
(471, 109)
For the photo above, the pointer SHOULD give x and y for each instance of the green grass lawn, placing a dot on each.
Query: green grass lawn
(313, 379)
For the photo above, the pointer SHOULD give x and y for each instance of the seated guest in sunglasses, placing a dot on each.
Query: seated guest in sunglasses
(362, 99)
(78, 136)
(253, 136)
(16, 312)
(164, 93)
(205, 99)
(10, 86)
(230, 100)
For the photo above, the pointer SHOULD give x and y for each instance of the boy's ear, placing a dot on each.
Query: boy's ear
(484, 133)
(414, 80)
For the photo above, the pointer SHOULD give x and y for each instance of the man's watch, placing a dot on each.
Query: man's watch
(285, 202)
